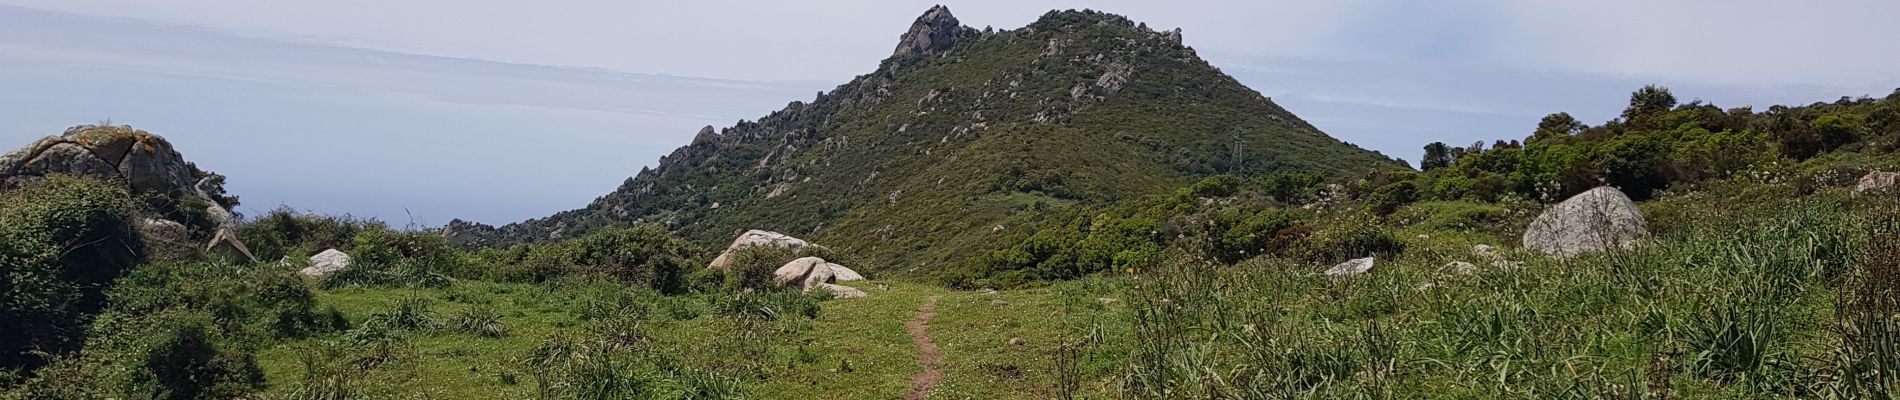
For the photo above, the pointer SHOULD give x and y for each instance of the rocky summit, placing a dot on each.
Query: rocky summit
(961, 130)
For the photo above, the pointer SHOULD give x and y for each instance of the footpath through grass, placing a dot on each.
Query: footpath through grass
(853, 349)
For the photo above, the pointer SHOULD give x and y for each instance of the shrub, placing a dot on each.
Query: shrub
(644, 255)
(752, 267)
(284, 232)
(183, 363)
(1350, 241)
(63, 240)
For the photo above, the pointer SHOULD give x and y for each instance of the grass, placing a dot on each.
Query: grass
(1743, 305)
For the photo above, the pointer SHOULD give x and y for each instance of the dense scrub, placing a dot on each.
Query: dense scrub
(62, 241)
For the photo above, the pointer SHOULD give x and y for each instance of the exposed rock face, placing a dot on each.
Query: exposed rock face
(1591, 221)
(813, 272)
(1878, 181)
(756, 238)
(144, 161)
(933, 31)
(325, 263)
(826, 167)
(1351, 267)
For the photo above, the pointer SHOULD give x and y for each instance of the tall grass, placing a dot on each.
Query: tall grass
(1793, 300)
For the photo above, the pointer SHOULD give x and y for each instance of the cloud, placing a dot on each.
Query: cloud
(1749, 42)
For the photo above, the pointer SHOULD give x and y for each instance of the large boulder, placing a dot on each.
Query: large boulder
(1595, 220)
(1878, 181)
(325, 263)
(813, 272)
(754, 238)
(145, 162)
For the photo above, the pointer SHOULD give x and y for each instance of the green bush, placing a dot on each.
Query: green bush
(287, 233)
(1349, 241)
(63, 240)
(645, 256)
(182, 363)
(752, 267)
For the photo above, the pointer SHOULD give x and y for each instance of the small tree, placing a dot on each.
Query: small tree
(1647, 102)
(1437, 155)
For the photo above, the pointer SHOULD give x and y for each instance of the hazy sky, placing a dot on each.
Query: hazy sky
(498, 111)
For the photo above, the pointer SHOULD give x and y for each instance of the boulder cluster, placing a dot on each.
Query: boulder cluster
(806, 273)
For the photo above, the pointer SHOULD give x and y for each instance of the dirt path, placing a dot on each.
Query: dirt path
(927, 353)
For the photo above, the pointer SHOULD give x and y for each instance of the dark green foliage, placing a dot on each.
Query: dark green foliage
(1660, 144)
(1350, 240)
(1387, 199)
(287, 233)
(644, 255)
(752, 267)
(185, 330)
(1437, 155)
(62, 242)
(185, 364)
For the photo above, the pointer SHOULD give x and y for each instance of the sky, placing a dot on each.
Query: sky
(420, 111)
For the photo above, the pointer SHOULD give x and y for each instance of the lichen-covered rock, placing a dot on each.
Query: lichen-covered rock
(147, 163)
(1594, 220)
(325, 263)
(753, 238)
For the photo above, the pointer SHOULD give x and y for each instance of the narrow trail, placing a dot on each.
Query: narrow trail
(927, 353)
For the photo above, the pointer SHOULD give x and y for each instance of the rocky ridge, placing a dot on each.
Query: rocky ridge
(951, 116)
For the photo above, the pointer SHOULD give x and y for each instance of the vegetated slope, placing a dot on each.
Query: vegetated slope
(959, 135)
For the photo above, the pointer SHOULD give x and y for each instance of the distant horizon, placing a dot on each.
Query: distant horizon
(339, 127)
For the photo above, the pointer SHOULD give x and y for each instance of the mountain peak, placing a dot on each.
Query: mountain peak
(933, 31)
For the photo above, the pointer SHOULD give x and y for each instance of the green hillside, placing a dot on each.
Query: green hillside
(918, 163)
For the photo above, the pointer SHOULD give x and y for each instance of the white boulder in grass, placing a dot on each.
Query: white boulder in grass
(1594, 220)
(325, 263)
(813, 272)
(1351, 267)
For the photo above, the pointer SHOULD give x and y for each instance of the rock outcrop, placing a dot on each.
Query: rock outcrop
(1878, 181)
(147, 163)
(1594, 220)
(754, 238)
(325, 263)
(933, 31)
